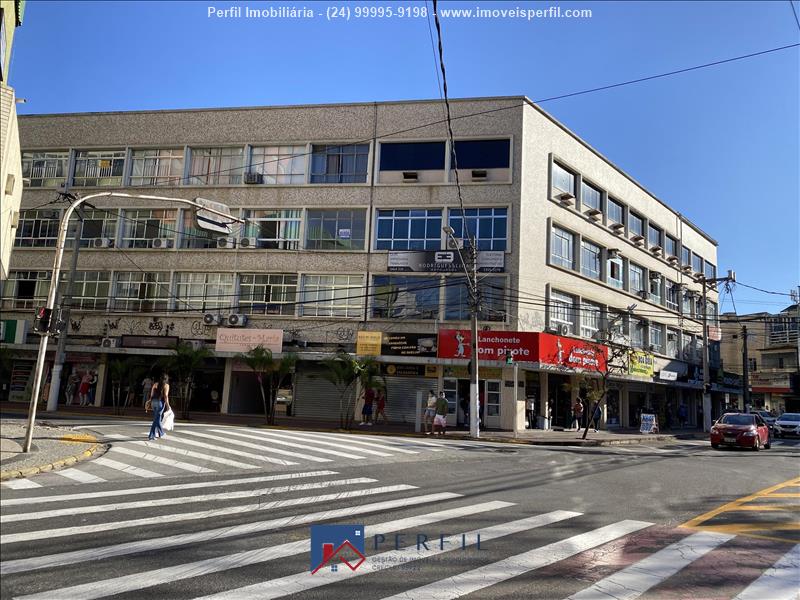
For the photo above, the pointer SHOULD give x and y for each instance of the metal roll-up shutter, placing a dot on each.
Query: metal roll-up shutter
(315, 396)
(401, 396)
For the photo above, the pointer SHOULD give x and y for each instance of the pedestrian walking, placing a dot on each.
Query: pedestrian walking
(440, 420)
(577, 414)
(159, 401)
(366, 410)
(530, 408)
(147, 385)
(72, 384)
(683, 414)
(430, 413)
(597, 414)
(380, 408)
(83, 390)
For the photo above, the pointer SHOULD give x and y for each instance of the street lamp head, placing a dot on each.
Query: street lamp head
(448, 230)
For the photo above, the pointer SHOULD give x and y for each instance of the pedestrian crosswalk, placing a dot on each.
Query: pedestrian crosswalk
(247, 537)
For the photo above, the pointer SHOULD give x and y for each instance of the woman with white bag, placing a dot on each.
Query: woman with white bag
(159, 403)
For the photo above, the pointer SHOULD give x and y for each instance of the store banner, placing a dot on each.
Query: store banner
(444, 261)
(409, 344)
(492, 345)
(558, 351)
(163, 342)
(641, 364)
(13, 331)
(368, 343)
(234, 339)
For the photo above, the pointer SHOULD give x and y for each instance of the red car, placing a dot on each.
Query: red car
(740, 429)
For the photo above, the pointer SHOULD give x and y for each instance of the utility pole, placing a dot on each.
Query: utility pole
(730, 277)
(745, 370)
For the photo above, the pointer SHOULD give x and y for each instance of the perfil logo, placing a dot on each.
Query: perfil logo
(335, 544)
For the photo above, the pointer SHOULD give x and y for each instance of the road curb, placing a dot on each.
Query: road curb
(55, 465)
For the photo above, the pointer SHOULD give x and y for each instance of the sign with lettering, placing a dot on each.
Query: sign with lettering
(409, 344)
(555, 350)
(234, 339)
(648, 424)
(641, 364)
(445, 261)
(492, 345)
(368, 343)
(149, 341)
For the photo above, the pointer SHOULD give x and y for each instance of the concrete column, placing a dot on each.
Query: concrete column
(101, 381)
(544, 394)
(227, 384)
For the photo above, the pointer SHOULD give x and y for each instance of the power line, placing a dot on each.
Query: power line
(794, 12)
(764, 291)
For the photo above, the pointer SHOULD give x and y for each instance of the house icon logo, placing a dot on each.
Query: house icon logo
(332, 545)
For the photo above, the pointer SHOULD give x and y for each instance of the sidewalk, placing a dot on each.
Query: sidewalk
(52, 448)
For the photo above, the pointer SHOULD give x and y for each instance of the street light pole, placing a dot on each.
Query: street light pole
(51, 295)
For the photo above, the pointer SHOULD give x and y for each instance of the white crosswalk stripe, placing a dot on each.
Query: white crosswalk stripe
(161, 460)
(229, 450)
(79, 476)
(21, 484)
(272, 435)
(125, 468)
(264, 436)
(260, 447)
(162, 447)
(780, 582)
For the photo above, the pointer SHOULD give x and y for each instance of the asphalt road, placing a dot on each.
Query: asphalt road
(215, 511)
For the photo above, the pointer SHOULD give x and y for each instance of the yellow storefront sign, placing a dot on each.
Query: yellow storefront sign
(641, 364)
(368, 343)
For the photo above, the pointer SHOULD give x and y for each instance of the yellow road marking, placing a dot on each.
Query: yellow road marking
(766, 507)
(695, 522)
(747, 527)
(78, 438)
(781, 495)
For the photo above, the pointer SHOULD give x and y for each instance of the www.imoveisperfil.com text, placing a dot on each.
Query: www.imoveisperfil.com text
(348, 11)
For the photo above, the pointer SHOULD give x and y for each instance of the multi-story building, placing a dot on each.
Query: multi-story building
(345, 208)
(772, 351)
(11, 12)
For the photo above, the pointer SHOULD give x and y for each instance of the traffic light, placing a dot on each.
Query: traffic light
(41, 322)
(509, 356)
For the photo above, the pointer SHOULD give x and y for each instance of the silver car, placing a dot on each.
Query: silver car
(768, 417)
(787, 424)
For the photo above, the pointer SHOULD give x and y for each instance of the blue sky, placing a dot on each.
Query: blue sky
(721, 145)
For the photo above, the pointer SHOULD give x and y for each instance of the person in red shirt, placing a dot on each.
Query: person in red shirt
(366, 410)
(380, 409)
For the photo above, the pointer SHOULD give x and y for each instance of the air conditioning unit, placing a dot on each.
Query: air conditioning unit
(410, 177)
(248, 242)
(638, 240)
(479, 175)
(226, 242)
(686, 269)
(212, 319)
(455, 243)
(644, 294)
(236, 320)
(699, 275)
(563, 329)
(654, 276)
(161, 243)
(102, 243)
(672, 259)
(109, 342)
(594, 214)
(613, 253)
(657, 250)
(617, 228)
(253, 178)
(565, 198)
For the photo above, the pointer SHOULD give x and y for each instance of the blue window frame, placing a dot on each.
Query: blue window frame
(493, 299)
(488, 225)
(339, 164)
(419, 229)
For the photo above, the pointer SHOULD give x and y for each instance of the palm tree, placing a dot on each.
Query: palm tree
(182, 365)
(344, 371)
(275, 371)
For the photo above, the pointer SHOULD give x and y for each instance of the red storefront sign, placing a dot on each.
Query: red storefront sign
(571, 353)
(492, 345)
(525, 346)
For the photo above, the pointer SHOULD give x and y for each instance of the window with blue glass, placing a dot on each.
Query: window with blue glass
(482, 154)
(418, 229)
(339, 164)
(492, 292)
(396, 297)
(412, 156)
(488, 225)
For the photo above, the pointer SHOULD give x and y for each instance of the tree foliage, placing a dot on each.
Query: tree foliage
(347, 372)
(181, 366)
(270, 371)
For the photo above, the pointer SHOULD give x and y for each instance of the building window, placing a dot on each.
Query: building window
(141, 227)
(590, 196)
(482, 154)
(493, 299)
(335, 229)
(279, 165)
(400, 297)
(687, 303)
(671, 246)
(332, 296)
(412, 156)
(96, 224)
(590, 259)
(616, 276)
(710, 271)
(713, 313)
(45, 169)
(90, 289)
(697, 264)
(686, 257)
(99, 168)
(561, 248)
(339, 164)
(419, 229)
(217, 166)
(562, 311)
(562, 179)
(688, 347)
(673, 343)
(673, 292)
(655, 289)
(25, 289)
(616, 212)
(157, 167)
(194, 237)
(657, 338)
(273, 229)
(141, 292)
(489, 225)
(654, 236)
(637, 333)
(204, 291)
(635, 225)
(752, 364)
(37, 229)
(635, 278)
(591, 319)
(274, 294)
